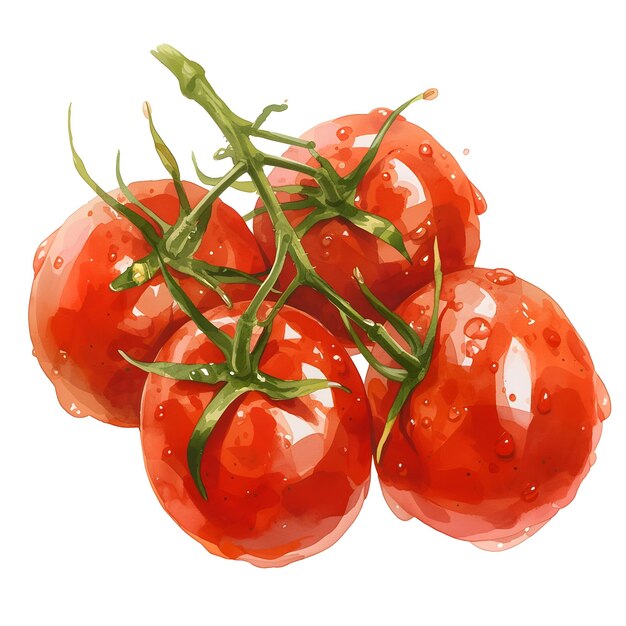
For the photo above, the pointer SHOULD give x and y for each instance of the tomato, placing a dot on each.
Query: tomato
(502, 430)
(78, 323)
(413, 182)
(284, 479)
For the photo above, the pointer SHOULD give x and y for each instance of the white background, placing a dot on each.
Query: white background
(535, 90)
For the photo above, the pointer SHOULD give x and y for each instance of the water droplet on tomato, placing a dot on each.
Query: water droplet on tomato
(112, 256)
(472, 348)
(456, 414)
(424, 260)
(425, 150)
(167, 453)
(530, 493)
(505, 446)
(512, 397)
(480, 205)
(326, 241)
(551, 337)
(57, 263)
(344, 133)
(426, 422)
(426, 402)
(340, 366)
(420, 233)
(493, 367)
(33, 352)
(477, 328)
(160, 413)
(62, 356)
(500, 276)
(386, 176)
(544, 404)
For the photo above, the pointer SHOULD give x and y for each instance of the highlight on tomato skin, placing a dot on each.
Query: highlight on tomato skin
(78, 323)
(413, 182)
(284, 479)
(502, 430)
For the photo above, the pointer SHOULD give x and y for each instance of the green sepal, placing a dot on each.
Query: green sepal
(131, 196)
(431, 331)
(404, 392)
(378, 226)
(209, 373)
(319, 215)
(278, 389)
(144, 226)
(415, 378)
(403, 329)
(210, 416)
(217, 336)
(168, 160)
(392, 373)
(353, 179)
(375, 225)
(221, 273)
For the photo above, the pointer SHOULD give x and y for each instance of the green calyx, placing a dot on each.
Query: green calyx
(233, 388)
(425, 351)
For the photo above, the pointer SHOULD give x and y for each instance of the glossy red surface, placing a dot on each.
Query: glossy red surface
(502, 430)
(77, 323)
(413, 182)
(284, 479)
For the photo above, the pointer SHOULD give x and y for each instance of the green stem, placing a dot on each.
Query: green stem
(280, 138)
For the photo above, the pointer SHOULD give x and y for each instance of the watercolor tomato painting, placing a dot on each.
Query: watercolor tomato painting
(481, 406)
(319, 363)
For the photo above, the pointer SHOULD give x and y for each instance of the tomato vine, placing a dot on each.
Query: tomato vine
(173, 247)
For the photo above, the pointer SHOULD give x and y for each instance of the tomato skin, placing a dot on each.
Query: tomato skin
(284, 479)
(502, 430)
(77, 323)
(413, 182)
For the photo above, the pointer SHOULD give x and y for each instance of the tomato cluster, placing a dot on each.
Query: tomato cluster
(156, 306)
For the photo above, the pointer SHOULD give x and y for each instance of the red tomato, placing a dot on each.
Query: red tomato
(502, 430)
(284, 479)
(413, 182)
(77, 323)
